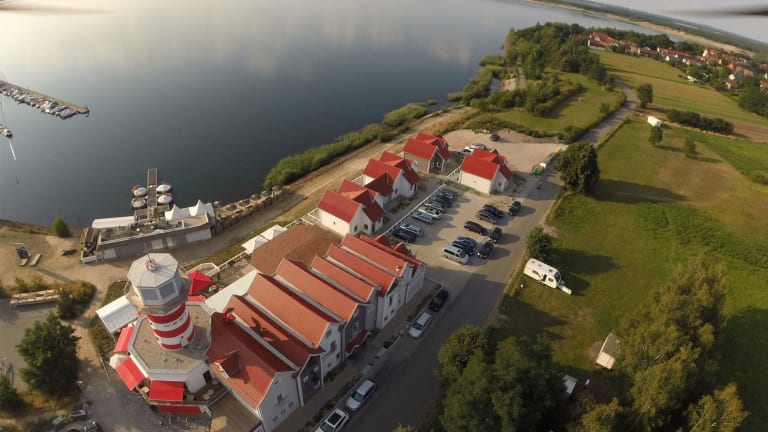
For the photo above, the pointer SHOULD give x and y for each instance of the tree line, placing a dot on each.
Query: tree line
(696, 120)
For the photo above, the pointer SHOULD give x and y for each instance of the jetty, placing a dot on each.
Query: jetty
(48, 104)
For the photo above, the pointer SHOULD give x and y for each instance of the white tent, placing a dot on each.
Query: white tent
(117, 314)
(261, 239)
(115, 222)
(117, 359)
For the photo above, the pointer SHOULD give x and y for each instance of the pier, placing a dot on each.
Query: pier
(37, 100)
(147, 214)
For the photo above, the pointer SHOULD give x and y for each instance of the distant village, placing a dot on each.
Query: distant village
(724, 71)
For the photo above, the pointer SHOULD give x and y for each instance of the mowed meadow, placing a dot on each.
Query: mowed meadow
(653, 209)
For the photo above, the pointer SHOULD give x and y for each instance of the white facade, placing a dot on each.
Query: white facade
(389, 305)
(281, 399)
(359, 224)
(400, 187)
(332, 347)
(475, 182)
(415, 283)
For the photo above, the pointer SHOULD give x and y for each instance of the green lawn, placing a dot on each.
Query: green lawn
(653, 209)
(580, 110)
(672, 90)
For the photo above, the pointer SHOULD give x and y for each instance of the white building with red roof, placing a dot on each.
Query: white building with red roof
(350, 212)
(430, 152)
(485, 171)
(390, 176)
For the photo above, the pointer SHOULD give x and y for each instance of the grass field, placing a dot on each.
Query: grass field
(672, 90)
(653, 209)
(580, 110)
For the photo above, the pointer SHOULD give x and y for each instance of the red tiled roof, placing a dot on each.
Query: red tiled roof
(259, 364)
(485, 164)
(362, 268)
(299, 277)
(425, 145)
(124, 339)
(357, 341)
(299, 243)
(383, 239)
(271, 331)
(405, 165)
(377, 256)
(380, 185)
(400, 250)
(376, 168)
(298, 314)
(339, 205)
(432, 139)
(130, 373)
(230, 363)
(168, 391)
(356, 286)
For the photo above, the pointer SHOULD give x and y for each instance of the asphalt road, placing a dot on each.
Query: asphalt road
(407, 384)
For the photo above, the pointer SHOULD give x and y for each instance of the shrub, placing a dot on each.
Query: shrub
(696, 120)
(759, 177)
(404, 114)
(690, 148)
(60, 227)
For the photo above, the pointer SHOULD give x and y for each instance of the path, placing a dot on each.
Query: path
(606, 126)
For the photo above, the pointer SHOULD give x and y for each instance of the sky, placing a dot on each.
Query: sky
(752, 27)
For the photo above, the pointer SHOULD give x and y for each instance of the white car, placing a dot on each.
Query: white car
(334, 422)
(421, 324)
(478, 146)
(360, 395)
(436, 214)
(466, 151)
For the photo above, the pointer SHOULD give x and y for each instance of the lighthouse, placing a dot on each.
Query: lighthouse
(159, 291)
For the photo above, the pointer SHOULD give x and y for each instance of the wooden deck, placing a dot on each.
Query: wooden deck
(229, 415)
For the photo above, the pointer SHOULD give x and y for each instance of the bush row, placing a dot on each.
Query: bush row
(696, 120)
(294, 167)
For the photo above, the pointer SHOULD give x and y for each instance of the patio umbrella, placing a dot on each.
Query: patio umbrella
(199, 282)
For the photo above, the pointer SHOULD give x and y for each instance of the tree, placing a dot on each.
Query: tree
(602, 418)
(690, 148)
(466, 407)
(49, 349)
(456, 351)
(656, 136)
(645, 94)
(578, 167)
(539, 244)
(60, 227)
(719, 412)
(65, 305)
(9, 397)
(401, 428)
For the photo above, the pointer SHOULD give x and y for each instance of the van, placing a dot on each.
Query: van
(545, 274)
(455, 254)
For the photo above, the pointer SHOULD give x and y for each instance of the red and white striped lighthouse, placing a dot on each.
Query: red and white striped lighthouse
(159, 291)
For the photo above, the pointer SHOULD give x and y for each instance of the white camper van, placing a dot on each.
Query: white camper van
(545, 274)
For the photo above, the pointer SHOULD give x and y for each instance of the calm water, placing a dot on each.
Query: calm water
(214, 93)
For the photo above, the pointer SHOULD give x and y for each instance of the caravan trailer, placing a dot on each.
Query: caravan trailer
(545, 274)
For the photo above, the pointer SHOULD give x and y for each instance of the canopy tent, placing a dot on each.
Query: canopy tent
(261, 239)
(199, 282)
(130, 373)
(124, 340)
(117, 314)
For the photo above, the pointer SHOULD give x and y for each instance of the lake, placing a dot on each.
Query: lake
(213, 94)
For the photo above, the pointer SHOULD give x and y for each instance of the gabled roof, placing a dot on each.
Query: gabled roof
(229, 363)
(271, 331)
(323, 293)
(299, 243)
(377, 256)
(393, 169)
(344, 279)
(425, 146)
(405, 165)
(290, 309)
(399, 250)
(362, 268)
(258, 364)
(485, 164)
(380, 185)
(345, 206)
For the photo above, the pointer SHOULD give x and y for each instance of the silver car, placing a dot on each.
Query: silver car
(424, 217)
(419, 231)
(435, 213)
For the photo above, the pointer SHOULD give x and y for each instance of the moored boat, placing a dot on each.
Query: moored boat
(139, 191)
(164, 199)
(164, 187)
(138, 203)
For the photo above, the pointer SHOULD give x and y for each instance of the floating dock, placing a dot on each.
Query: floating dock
(53, 106)
(147, 213)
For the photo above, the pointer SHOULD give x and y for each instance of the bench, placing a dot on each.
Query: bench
(35, 259)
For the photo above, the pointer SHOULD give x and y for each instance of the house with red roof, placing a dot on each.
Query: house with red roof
(349, 283)
(350, 212)
(429, 152)
(391, 177)
(601, 41)
(485, 171)
(261, 380)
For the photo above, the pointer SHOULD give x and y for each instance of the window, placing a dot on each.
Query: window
(277, 382)
(333, 347)
(149, 294)
(274, 419)
(390, 300)
(167, 290)
(328, 333)
(365, 227)
(355, 229)
(280, 398)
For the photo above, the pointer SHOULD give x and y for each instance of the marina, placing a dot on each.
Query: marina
(47, 104)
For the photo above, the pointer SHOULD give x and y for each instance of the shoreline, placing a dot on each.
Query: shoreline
(648, 25)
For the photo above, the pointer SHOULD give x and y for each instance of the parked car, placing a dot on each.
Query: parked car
(463, 152)
(486, 216)
(469, 250)
(361, 394)
(514, 209)
(421, 324)
(416, 229)
(442, 200)
(419, 215)
(435, 213)
(469, 240)
(451, 195)
(485, 250)
(498, 214)
(404, 235)
(475, 227)
(495, 137)
(91, 426)
(67, 252)
(478, 146)
(495, 235)
(334, 422)
(438, 301)
(436, 205)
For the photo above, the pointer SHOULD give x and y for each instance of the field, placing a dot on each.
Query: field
(672, 90)
(653, 209)
(580, 110)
